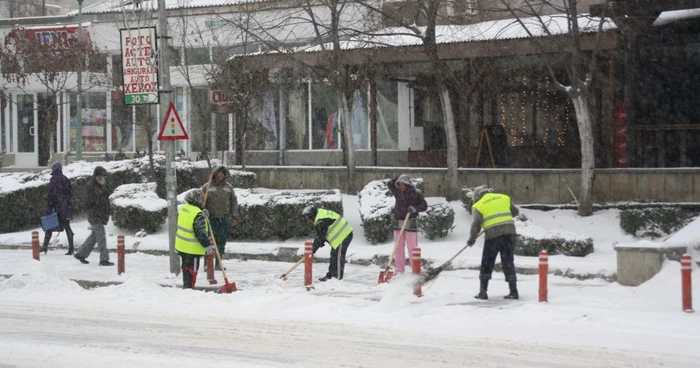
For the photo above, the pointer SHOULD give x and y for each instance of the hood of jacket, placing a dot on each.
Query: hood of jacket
(221, 168)
(56, 168)
(99, 171)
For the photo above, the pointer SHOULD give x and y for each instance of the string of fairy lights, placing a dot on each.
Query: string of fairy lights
(552, 124)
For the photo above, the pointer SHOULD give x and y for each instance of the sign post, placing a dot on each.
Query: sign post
(138, 66)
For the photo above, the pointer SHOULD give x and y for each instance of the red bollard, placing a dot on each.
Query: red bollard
(35, 245)
(210, 269)
(415, 265)
(120, 254)
(544, 268)
(686, 269)
(308, 265)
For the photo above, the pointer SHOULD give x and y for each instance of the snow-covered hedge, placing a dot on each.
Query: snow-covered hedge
(267, 215)
(531, 247)
(137, 206)
(437, 221)
(655, 222)
(23, 195)
(466, 195)
(376, 213)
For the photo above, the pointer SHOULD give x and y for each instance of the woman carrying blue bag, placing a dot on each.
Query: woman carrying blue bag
(58, 200)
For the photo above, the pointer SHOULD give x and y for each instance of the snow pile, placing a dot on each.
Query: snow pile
(137, 206)
(39, 277)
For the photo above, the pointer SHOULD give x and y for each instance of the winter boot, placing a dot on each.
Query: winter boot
(70, 250)
(81, 259)
(325, 278)
(513, 291)
(106, 263)
(44, 249)
(482, 290)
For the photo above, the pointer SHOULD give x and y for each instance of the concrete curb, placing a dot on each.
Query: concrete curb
(289, 255)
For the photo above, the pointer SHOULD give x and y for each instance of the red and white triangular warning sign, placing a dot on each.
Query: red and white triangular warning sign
(172, 128)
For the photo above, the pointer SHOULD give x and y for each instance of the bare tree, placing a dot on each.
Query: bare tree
(52, 63)
(580, 68)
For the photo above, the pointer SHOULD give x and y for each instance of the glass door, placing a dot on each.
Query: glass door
(25, 121)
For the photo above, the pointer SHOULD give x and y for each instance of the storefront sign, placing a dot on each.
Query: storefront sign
(58, 38)
(218, 97)
(138, 65)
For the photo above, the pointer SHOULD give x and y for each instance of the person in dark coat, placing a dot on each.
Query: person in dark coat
(409, 199)
(96, 199)
(58, 200)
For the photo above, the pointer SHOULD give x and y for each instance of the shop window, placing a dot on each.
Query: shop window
(515, 114)
(221, 128)
(146, 125)
(325, 127)
(359, 114)
(94, 119)
(297, 108)
(122, 124)
(387, 114)
(262, 129)
(200, 119)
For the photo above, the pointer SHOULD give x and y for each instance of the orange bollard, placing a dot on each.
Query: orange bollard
(415, 265)
(35, 245)
(308, 265)
(120, 254)
(686, 269)
(210, 269)
(544, 268)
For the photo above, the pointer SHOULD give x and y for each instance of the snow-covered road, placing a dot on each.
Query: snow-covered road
(39, 335)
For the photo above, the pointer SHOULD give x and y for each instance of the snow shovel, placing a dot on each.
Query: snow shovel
(228, 287)
(284, 275)
(385, 275)
(433, 274)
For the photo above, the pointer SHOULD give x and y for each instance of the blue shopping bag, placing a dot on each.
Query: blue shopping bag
(50, 222)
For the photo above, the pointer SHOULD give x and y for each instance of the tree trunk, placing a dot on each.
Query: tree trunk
(585, 128)
(349, 152)
(451, 180)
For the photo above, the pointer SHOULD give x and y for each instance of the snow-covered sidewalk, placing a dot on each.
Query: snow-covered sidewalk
(603, 227)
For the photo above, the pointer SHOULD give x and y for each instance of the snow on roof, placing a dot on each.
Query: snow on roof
(117, 6)
(676, 15)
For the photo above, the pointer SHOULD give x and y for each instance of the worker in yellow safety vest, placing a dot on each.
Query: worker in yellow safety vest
(334, 229)
(494, 212)
(192, 237)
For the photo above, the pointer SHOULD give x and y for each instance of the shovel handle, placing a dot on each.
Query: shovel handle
(216, 250)
(293, 268)
(396, 242)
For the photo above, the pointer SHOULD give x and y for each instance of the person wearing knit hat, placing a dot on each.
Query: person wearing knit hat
(96, 199)
(494, 212)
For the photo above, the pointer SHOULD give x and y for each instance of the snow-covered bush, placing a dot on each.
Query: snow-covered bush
(531, 247)
(466, 195)
(437, 221)
(654, 221)
(266, 215)
(376, 213)
(23, 195)
(137, 206)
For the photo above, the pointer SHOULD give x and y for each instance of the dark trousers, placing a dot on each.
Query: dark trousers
(65, 225)
(190, 266)
(220, 227)
(335, 261)
(504, 244)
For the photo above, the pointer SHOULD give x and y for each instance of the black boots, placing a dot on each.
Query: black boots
(81, 259)
(485, 285)
(513, 291)
(482, 290)
(70, 251)
(106, 263)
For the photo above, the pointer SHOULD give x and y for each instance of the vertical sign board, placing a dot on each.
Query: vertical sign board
(139, 65)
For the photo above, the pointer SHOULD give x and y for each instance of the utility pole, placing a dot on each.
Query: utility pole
(165, 97)
(79, 99)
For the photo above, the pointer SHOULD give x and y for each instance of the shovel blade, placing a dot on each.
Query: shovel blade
(228, 288)
(388, 275)
(381, 277)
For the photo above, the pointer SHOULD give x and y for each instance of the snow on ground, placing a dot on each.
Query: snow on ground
(603, 227)
(354, 322)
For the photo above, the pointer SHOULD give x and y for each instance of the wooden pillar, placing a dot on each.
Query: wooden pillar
(609, 119)
(660, 140)
(373, 119)
(683, 147)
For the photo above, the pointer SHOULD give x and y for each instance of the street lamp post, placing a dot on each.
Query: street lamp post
(79, 102)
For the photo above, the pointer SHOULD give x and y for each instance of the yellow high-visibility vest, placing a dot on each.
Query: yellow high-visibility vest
(339, 229)
(185, 241)
(494, 209)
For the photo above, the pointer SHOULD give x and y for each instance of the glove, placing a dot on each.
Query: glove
(412, 209)
(210, 250)
(471, 242)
